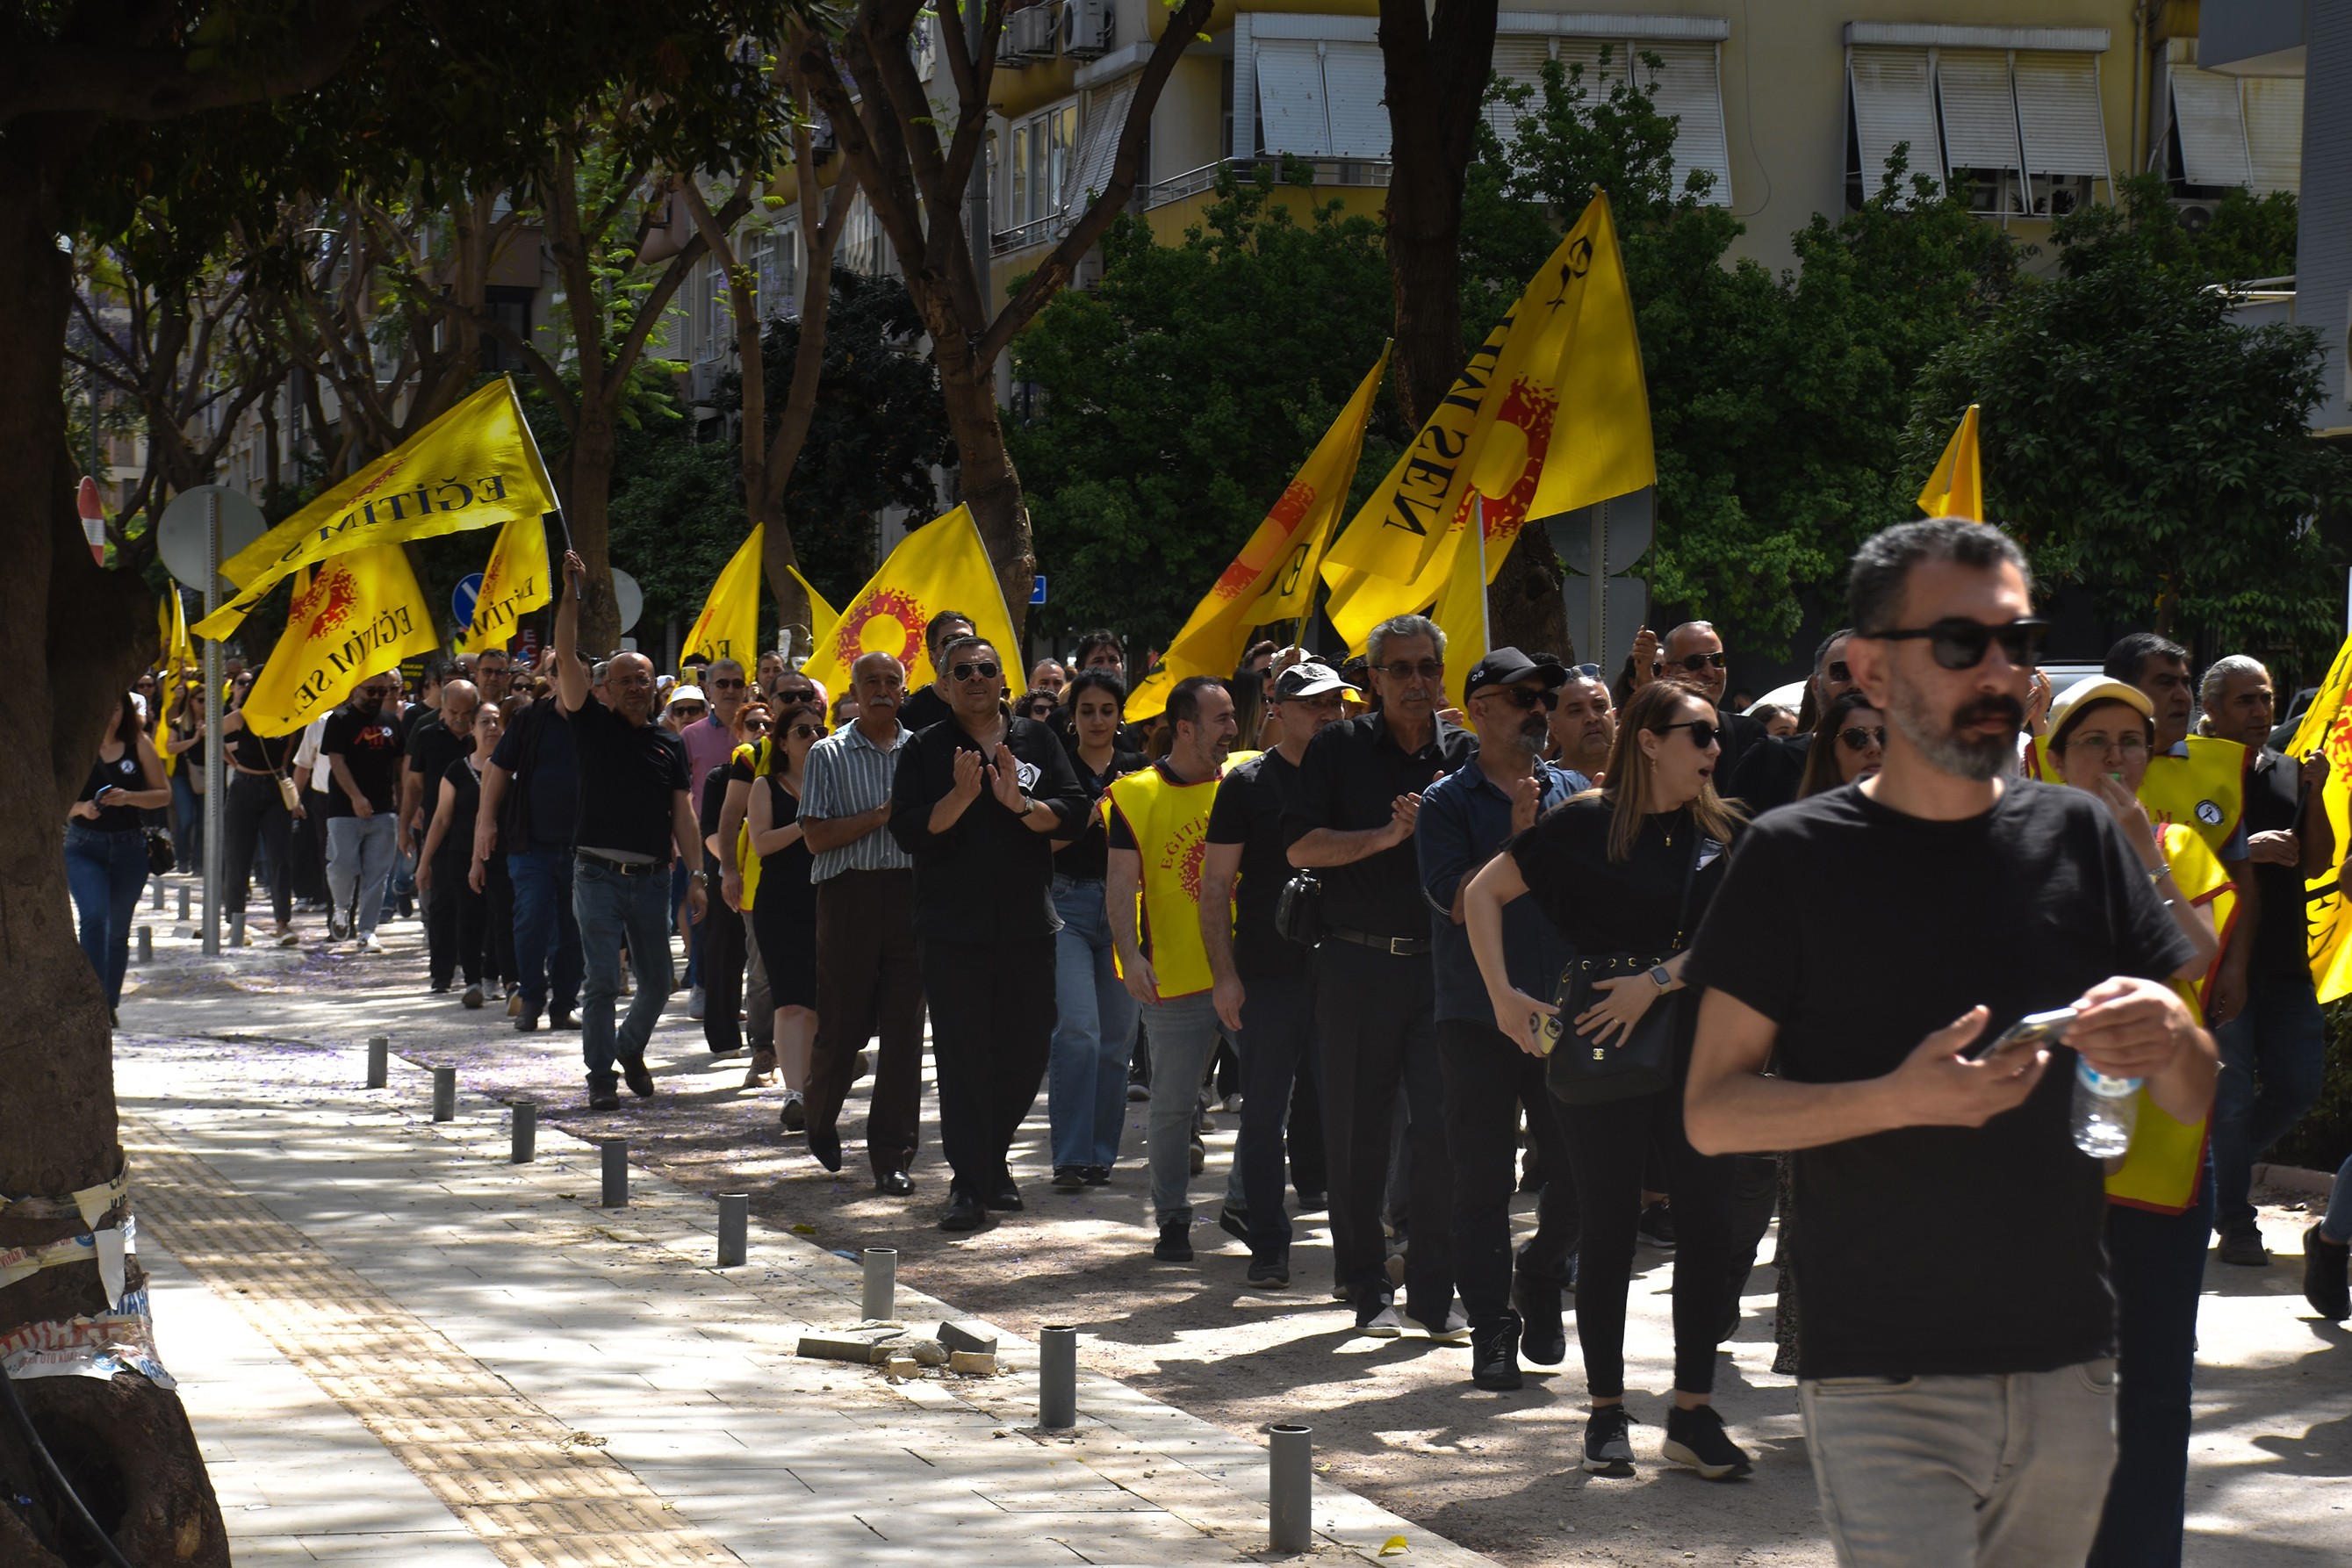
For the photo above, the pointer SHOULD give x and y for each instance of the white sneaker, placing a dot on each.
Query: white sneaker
(366, 942)
(286, 937)
(1454, 1331)
(694, 1003)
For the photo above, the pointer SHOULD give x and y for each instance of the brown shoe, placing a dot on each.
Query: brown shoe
(763, 1071)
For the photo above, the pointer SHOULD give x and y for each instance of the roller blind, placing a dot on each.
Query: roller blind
(1355, 87)
(2273, 111)
(1520, 62)
(1099, 142)
(1893, 104)
(1980, 110)
(1291, 107)
(2058, 108)
(1686, 86)
(2212, 127)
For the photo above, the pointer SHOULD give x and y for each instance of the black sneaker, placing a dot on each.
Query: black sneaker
(1495, 1355)
(1069, 1179)
(1543, 1332)
(1270, 1269)
(2325, 1267)
(1607, 1442)
(1696, 1438)
(526, 1022)
(1657, 1226)
(1175, 1243)
(1234, 1222)
(640, 1081)
(2241, 1244)
(561, 1018)
(1098, 1175)
(794, 1116)
(603, 1094)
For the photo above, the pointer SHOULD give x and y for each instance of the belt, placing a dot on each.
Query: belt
(1394, 946)
(625, 867)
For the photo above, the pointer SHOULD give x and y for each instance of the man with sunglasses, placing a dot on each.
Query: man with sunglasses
(1351, 822)
(1773, 771)
(1466, 817)
(1957, 1372)
(976, 803)
(1693, 654)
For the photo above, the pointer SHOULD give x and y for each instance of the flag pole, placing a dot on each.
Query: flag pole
(540, 462)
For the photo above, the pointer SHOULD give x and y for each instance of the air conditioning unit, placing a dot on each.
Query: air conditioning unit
(2194, 215)
(1030, 35)
(1085, 28)
(703, 381)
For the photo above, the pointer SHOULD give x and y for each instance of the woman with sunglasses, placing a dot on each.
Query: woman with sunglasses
(783, 915)
(1630, 868)
(446, 856)
(1093, 1022)
(728, 944)
(1849, 743)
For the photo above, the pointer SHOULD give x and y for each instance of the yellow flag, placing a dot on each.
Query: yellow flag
(1550, 413)
(2327, 726)
(822, 617)
(1956, 487)
(1461, 612)
(361, 615)
(172, 622)
(475, 467)
(728, 627)
(941, 566)
(515, 582)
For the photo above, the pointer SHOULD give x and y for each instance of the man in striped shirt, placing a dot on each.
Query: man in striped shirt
(867, 981)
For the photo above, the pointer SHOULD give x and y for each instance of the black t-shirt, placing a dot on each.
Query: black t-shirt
(123, 773)
(1771, 770)
(1741, 735)
(1088, 856)
(542, 801)
(457, 839)
(431, 749)
(1599, 905)
(1248, 812)
(2273, 798)
(249, 750)
(1348, 780)
(369, 744)
(630, 776)
(989, 877)
(1859, 931)
(714, 804)
(924, 707)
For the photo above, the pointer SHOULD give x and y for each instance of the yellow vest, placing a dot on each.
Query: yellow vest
(745, 861)
(1171, 825)
(2160, 1169)
(2204, 791)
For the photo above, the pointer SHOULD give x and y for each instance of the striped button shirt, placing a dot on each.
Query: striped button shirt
(847, 773)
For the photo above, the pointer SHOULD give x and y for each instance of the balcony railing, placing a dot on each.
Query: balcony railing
(1327, 172)
(1025, 236)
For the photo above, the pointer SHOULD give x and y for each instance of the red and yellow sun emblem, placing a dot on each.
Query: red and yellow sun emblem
(326, 603)
(897, 628)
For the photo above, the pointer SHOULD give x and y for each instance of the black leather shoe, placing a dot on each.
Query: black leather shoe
(1495, 1355)
(1175, 1243)
(1006, 1198)
(1234, 1223)
(1314, 1202)
(824, 1142)
(893, 1183)
(1542, 1335)
(964, 1213)
(563, 1018)
(603, 1093)
(640, 1081)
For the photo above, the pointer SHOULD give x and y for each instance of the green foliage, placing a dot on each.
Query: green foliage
(678, 518)
(2248, 238)
(2146, 447)
(1170, 407)
(2323, 1139)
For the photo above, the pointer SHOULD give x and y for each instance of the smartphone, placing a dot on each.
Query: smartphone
(1548, 1028)
(2034, 1029)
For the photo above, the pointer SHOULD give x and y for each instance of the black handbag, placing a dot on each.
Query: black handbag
(161, 856)
(1298, 910)
(1580, 1070)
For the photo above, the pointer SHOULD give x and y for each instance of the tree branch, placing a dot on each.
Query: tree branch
(84, 76)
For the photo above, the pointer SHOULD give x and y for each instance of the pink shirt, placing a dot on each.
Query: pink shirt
(707, 745)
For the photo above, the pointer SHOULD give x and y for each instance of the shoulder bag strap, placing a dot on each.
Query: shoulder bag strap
(1690, 875)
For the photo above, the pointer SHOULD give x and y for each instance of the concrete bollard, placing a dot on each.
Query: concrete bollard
(445, 1094)
(146, 944)
(236, 928)
(158, 905)
(616, 1173)
(1057, 1378)
(183, 903)
(526, 1131)
(1290, 1488)
(379, 1060)
(734, 1227)
(880, 1302)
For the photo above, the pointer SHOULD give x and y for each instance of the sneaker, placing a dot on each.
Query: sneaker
(1098, 1175)
(473, 996)
(1269, 1270)
(366, 942)
(2325, 1267)
(1175, 1243)
(1234, 1223)
(1495, 1355)
(604, 1096)
(563, 1018)
(1454, 1331)
(335, 931)
(1198, 1157)
(1607, 1441)
(1383, 1324)
(1696, 1438)
(286, 937)
(794, 1115)
(1069, 1179)
(1137, 1093)
(2241, 1244)
(641, 1082)
(694, 1000)
(514, 1003)
(1657, 1226)
(525, 1023)
(762, 1072)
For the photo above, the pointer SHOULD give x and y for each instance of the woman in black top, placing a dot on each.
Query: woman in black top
(255, 816)
(184, 742)
(1630, 869)
(783, 911)
(106, 845)
(446, 856)
(1094, 1023)
(1848, 745)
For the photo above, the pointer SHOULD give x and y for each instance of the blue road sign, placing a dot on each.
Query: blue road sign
(1037, 590)
(462, 597)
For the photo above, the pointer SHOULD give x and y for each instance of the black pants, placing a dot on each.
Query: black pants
(309, 846)
(256, 815)
(1607, 1144)
(992, 1030)
(721, 935)
(869, 986)
(457, 923)
(1376, 1017)
(1486, 1078)
(1278, 1075)
(498, 910)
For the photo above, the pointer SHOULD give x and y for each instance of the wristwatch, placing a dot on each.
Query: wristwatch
(1660, 978)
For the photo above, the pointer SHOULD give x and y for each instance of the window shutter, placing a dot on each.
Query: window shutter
(1892, 103)
(1290, 109)
(2058, 105)
(1980, 110)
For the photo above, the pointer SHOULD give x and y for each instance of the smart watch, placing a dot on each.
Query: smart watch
(1660, 977)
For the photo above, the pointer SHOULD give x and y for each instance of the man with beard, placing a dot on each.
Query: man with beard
(1774, 768)
(1956, 1372)
(1466, 817)
(1583, 725)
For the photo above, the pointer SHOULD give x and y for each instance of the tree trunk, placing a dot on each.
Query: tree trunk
(989, 484)
(76, 635)
(587, 513)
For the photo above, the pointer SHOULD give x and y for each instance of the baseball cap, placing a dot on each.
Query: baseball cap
(1508, 665)
(2095, 689)
(1309, 678)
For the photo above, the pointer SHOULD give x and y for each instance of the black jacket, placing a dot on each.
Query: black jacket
(989, 877)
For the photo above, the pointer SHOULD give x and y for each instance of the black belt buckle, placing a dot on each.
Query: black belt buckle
(623, 868)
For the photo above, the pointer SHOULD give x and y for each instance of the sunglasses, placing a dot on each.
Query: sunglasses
(1693, 663)
(1427, 670)
(726, 685)
(1838, 673)
(1859, 738)
(985, 669)
(688, 709)
(1519, 697)
(1959, 643)
(756, 727)
(1589, 671)
(807, 732)
(1704, 733)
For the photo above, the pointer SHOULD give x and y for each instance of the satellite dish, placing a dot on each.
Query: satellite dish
(627, 597)
(180, 533)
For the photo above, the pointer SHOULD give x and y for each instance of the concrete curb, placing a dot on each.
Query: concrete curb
(2293, 1179)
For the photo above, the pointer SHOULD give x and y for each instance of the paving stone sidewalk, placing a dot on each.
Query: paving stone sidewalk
(399, 1348)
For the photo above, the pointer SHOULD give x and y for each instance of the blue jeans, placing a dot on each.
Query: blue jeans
(2157, 1263)
(359, 853)
(613, 908)
(1277, 1049)
(105, 872)
(2272, 1055)
(1184, 1033)
(546, 936)
(691, 930)
(1093, 1026)
(188, 813)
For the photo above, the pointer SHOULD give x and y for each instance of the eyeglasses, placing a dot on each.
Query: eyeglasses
(726, 685)
(1838, 673)
(1704, 733)
(807, 732)
(2130, 740)
(1860, 738)
(1959, 643)
(1427, 670)
(1521, 697)
(1692, 662)
(984, 669)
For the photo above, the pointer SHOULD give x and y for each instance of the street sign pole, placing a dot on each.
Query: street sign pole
(215, 770)
(1596, 584)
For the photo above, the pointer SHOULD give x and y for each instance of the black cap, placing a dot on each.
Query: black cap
(1508, 665)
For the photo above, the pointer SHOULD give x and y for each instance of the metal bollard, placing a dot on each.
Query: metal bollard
(734, 1227)
(1290, 1488)
(616, 1173)
(158, 905)
(183, 903)
(379, 1060)
(445, 1094)
(880, 1303)
(236, 928)
(526, 1131)
(146, 944)
(1057, 1378)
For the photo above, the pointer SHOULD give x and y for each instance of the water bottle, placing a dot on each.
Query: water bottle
(2106, 1109)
